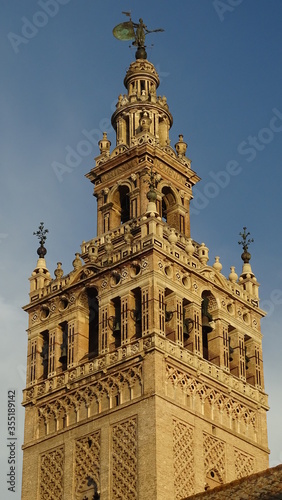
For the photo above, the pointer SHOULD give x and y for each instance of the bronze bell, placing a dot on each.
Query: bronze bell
(63, 357)
(136, 315)
(187, 327)
(206, 316)
(207, 328)
(44, 354)
(116, 330)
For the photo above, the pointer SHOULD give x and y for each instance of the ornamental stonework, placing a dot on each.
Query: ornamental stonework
(210, 402)
(244, 464)
(183, 459)
(214, 458)
(124, 460)
(90, 400)
(87, 465)
(51, 474)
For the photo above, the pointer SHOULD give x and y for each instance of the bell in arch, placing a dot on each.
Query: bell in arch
(207, 320)
(64, 355)
(116, 330)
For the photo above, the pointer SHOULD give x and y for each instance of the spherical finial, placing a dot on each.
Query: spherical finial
(41, 252)
(152, 195)
(245, 256)
(41, 235)
(141, 53)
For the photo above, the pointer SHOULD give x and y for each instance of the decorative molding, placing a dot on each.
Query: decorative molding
(90, 400)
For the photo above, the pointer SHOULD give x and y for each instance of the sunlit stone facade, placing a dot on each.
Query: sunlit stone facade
(144, 366)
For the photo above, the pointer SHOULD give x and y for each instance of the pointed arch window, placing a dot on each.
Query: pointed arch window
(92, 296)
(121, 201)
(124, 204)
(169, 212)
(33, 360)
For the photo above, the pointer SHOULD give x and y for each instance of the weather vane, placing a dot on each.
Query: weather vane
(246, 256)
(134, 31)
(41, 235)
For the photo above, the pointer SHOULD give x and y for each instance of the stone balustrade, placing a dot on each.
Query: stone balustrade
(138, 348)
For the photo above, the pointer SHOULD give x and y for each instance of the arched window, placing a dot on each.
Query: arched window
(121, 201)
(137, 313)
(124, 204)
(169, 212)
(93, 321)
(207, 325)
(45, 353)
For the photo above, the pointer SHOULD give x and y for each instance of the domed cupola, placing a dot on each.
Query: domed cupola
(141, 82)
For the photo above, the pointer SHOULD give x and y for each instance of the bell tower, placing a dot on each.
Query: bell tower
(144, 367)
(142, 156)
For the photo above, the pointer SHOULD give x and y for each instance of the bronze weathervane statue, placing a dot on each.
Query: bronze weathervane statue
(134, 31)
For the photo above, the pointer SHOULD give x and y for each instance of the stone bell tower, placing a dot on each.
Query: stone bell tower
(144, 367)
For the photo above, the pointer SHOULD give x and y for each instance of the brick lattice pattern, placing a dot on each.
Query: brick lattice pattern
(87, 461)
(51, 474)
(183, 454)
(124, 460)
(244, 464)
(214, 457)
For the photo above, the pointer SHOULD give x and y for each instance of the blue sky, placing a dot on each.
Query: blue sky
(62, 71)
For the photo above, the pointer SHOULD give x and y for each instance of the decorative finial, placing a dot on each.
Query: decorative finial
(246, 256)
(154, 179)
(59, 271)
(41, 235)
(104, 145)
(134, 31)
(181, 147)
